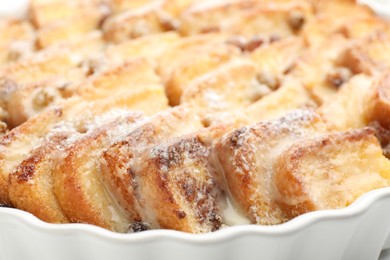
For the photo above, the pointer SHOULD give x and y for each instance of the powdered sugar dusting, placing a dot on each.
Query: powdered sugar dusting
(251, 152)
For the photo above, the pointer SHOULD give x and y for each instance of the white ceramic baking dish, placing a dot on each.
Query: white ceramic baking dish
(360, 231)
(357, 232)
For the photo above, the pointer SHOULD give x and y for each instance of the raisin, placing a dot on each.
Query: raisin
(138, 227)
(296, 20)
(339, 76)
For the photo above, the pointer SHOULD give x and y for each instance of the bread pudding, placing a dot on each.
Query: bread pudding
(192, 115)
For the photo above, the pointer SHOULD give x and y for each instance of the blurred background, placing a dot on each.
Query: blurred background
(18, 8)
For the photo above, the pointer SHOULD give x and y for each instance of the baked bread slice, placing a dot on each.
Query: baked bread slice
(30, 184)
(341, 8)
(274, 60)
(290, 96)
(376, 111)
(233, 85)
(347, 110)
(320, 70)
(16, 145)
(189, 67)
(130, 76)
(15, 30)
(190, 58)
(369, 56)
(17, 40)
(39, 163)
(118, 160)
(67, 29)
(248, 157)
(149, 47)
(77, 180)
(40, 66)
(30, 99)
(378, 102)
(363, 28)
(242, 82)
(20, 141)
(47, 64)
(176, 187)
(148, 19)
(329, 171)
(46, 13)
(345, 18)
(363, 101)
(248, 18)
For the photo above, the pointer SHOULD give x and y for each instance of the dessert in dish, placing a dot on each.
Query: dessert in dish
(192, 115)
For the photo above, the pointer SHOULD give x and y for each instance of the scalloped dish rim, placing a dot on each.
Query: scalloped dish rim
(360, 206)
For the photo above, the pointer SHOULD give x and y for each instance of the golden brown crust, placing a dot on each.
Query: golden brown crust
(40, 66)
(231, 86)
(246, 17)
(31, 99)
(18, 143)
(341, 17)
(30, 186)
(330, 171)
(368, 56)
(190, 58)
(150, 46)
(361, 28)
(315, 65)
(127, 77)
(42, 177)
(189, 68)
(118, 159)
(48, 64)
(242, 82)
(147, 19)
(378, 102)
(67, 29)
(248, 155)
(340, 8)
(275, 60)
(42, 14)
(290, 96)
(350, 104)
(77, 182)
(177, 188)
